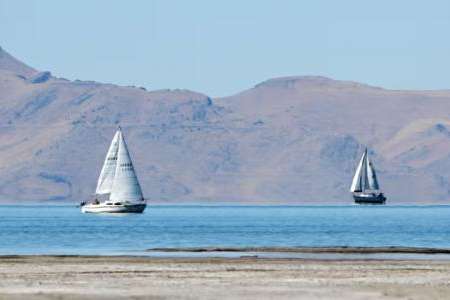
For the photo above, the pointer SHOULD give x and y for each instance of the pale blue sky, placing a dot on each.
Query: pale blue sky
(222, 47)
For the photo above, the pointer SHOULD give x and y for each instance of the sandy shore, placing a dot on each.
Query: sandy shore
(56, 277)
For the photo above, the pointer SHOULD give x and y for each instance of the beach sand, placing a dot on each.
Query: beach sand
(74, 277)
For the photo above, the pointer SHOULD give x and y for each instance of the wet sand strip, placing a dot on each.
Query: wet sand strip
(337, 250)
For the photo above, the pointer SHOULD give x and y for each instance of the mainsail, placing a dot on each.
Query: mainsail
(106, 178)
(371, 176)
(365, 177)
(125, 186)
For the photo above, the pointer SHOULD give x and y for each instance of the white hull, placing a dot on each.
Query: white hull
(113, 208)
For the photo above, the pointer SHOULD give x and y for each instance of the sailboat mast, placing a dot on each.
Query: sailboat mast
(365, 177)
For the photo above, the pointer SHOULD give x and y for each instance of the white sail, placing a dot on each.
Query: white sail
(357, 183)
(372, 182)
(365, 177)
(126, 185)
(106, 178)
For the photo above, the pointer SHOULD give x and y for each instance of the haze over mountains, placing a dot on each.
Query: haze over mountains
(286, 140)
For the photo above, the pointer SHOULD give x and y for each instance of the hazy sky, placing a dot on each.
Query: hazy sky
(222, 47)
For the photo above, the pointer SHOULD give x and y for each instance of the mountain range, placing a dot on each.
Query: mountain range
(287, 140)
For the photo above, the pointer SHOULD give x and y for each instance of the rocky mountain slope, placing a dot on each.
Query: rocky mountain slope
(286, 140)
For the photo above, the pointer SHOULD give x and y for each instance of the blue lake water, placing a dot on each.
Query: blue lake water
(64, 230)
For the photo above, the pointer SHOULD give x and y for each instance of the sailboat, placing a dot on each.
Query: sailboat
(365, 187)
(117, 183)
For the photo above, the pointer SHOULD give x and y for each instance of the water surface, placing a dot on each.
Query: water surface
(64, 230)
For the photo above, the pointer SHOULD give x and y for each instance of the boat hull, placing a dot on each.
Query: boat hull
(106, 208)
(371, 199)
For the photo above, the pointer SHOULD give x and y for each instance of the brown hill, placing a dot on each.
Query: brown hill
(287, 140)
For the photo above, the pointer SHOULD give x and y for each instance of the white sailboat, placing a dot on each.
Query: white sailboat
(365, 187)
(117, 183)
